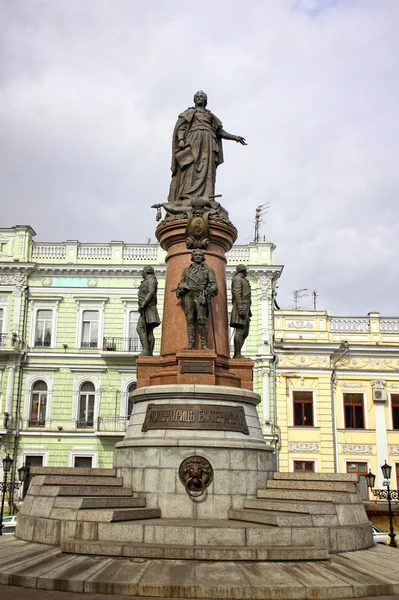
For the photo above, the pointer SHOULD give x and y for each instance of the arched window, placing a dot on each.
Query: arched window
(131, 389)
(86, 405)
(38, 405)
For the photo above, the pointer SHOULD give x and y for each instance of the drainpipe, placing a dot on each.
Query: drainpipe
(345, 349)
(275, 425)
(19, 399)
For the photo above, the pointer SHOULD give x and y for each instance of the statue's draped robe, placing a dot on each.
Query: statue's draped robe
(200, 130)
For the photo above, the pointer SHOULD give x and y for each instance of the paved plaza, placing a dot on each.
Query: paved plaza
(43, 568)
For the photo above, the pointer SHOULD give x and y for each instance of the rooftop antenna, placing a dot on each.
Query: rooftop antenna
(298, 294)
(314, 294)
(261, 210)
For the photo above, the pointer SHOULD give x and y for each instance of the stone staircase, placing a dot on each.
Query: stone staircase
(72, 501)
(311, 504)
(296, 517)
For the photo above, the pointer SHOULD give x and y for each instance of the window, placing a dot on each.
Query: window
(83, 462)
(303, 408)
(86, 405)
(131, 389)
(37, 416)
(354, 411)
(30, 461)
(361, 469)
(90, 329)
(134, 340)
(303, 466)
(44, 322)
(395, 411)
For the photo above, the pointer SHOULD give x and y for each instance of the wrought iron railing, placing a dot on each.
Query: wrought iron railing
(382, 494)
(131, 344)
(36, 422)
(111, 424)
(82, 424)
(114, 344)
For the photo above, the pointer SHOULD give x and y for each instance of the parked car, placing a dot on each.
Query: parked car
(380, 537)
(8, 530)
(10, 520)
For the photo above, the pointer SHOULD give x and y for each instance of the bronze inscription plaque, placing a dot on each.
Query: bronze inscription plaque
(191, 416)
(203, 366)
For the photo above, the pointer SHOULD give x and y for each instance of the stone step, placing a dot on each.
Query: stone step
(115, 502)
(182, 552)
(77, 502)
(315, 496)
(77, 490)
(314, 508)
(104, 515)
(202, 532)
(80, 480)
(326, 486)
(86, 472)
(277, 519)
(345, 477)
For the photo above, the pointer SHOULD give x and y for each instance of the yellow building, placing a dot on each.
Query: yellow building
(337, 393)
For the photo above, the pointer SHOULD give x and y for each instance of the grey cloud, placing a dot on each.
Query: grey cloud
(90, 92)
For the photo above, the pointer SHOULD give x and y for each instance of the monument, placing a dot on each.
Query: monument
(194, 459)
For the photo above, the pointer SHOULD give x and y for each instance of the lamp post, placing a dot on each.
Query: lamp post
(387, 494)
(4, 486)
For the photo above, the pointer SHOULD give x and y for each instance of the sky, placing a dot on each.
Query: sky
(90, 91)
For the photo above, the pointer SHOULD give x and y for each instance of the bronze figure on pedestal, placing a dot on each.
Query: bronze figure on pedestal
(196, 288)
(241, 312)
(149, 317)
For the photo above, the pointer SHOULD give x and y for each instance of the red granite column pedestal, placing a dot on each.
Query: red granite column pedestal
(175, 364)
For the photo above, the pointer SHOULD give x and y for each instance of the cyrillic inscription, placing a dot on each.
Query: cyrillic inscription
(191, 416)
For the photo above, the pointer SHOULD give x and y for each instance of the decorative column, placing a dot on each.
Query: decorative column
(10, 389)
(266, 395)
(265, 296)
(380, 399)
(20, 284)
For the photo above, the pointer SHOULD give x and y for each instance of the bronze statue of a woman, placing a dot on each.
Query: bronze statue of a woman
(197, 151)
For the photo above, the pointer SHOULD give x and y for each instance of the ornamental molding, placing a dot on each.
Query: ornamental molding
(352, 384)
(300, 324)
(378, 384)
(394, 450)
(393, 386)
(10, 246)
(356, 449)
(92, 282)
(303, 361)
(304, 447)
(265, 287)
(47, 281)
(18, 280)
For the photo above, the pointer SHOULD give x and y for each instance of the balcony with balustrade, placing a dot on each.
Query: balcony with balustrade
(9, 344)
(115, 347)
(320, 326)
(100, 427)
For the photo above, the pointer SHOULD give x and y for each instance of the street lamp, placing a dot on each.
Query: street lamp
(4, 486)
(387, 494)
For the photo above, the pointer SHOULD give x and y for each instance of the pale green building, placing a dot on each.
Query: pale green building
(68, 342)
